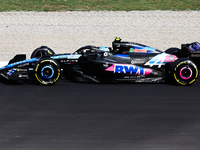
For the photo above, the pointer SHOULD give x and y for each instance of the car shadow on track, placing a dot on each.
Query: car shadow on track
(33, 82)
(16, 82)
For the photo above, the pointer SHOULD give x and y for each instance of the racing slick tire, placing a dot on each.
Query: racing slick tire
(42, 51)
(47, 71)
(184, 71)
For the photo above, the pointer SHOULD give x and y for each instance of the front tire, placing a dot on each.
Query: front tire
(42, 51)
(47, 71)
(184, 71)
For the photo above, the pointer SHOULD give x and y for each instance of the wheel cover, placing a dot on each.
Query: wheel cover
(47, 72)
(185, 73)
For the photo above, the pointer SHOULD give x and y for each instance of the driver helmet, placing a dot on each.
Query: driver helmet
(104, 49)
(195, 47)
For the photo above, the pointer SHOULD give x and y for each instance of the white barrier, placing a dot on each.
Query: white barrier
(3, 63)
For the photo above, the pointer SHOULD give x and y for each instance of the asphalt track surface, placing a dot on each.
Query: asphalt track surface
(81, 116)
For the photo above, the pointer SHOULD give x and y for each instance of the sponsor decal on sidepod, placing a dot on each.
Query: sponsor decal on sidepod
(129, 69)
(161, 59)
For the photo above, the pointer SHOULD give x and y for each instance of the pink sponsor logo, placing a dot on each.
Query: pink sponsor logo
(129, 69)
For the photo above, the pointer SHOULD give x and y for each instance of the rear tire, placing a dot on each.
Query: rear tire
(47, 71)
(184, 71)
(174, 51)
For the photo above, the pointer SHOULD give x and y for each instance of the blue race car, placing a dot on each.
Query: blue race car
(124, 61)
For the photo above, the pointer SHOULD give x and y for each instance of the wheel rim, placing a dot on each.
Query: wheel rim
(47, 72)
(186, 73)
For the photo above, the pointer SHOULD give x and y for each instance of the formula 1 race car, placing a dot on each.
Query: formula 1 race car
(124, 61)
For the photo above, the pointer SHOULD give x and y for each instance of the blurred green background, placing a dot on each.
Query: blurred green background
(96, 5)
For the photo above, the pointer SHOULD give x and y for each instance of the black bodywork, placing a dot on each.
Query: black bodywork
(124, 61)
